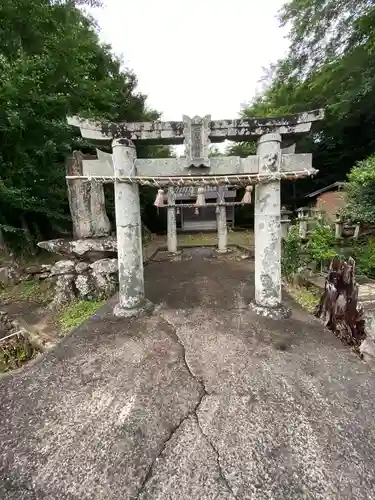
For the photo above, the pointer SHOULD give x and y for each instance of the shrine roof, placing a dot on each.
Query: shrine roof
(339, 185)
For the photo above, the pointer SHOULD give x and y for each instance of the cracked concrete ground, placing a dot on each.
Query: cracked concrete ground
(203, 400)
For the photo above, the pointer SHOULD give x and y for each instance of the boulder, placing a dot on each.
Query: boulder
(90, 249)
(105, 266)
(367, 349)
(4, 276)
(63, 267)
(64, 291)
(38, 269)
(42, 276)
(105, 285)
(5, 323)
(10, 275)
(369, 317)
(85, 287)
(82, 267)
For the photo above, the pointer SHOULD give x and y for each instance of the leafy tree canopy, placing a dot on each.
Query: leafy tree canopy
(52, 65)
(360, 192)
(330, 65)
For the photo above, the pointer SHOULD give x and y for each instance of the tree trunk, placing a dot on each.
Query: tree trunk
(339, 303)
(28, 235)
(3, 246)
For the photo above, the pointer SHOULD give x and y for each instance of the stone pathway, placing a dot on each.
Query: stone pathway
(366, 291)
(203, 400)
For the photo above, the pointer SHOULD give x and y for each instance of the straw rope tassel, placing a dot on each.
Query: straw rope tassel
(201, 200)
(247, 196)
(159, 200)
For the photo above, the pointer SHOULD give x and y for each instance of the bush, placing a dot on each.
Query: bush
(320, 247)
(292, 254)
(360, 192)
(365, 258)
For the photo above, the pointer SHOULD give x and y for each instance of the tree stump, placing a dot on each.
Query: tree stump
(338, 305)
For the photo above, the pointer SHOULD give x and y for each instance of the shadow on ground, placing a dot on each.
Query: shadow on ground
(202, 400)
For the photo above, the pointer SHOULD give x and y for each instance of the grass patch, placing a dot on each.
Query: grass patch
(77, 313)
(33, 291)
(14, 353)
(197, 239)
(244, 238)
(303, 296)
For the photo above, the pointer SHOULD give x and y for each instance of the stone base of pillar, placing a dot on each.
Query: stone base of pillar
(279, 312)
(144, 307)
(225, 250)
(175, 254)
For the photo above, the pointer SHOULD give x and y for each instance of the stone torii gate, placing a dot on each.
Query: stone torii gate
(275, 160)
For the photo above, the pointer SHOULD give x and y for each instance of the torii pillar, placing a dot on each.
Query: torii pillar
(132, 301)
(267, 231)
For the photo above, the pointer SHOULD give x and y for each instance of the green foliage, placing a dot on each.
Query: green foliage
(330, 64)
(360, 192)
(324, 29)
(243, 238)
(52, 65)
(77, 313)
(365, 258)
(215, 151)
(319, 249)
(292, 253)
(305, 297)
(242, 149)
(320, 246)
(14, 352)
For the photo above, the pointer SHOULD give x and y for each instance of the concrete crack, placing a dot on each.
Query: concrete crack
(195, 411)
(166, 442)
(164, 445)
(216, 452)
(174, 334)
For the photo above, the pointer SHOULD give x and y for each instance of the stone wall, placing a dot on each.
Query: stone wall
(72, 278)
(83, 280)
